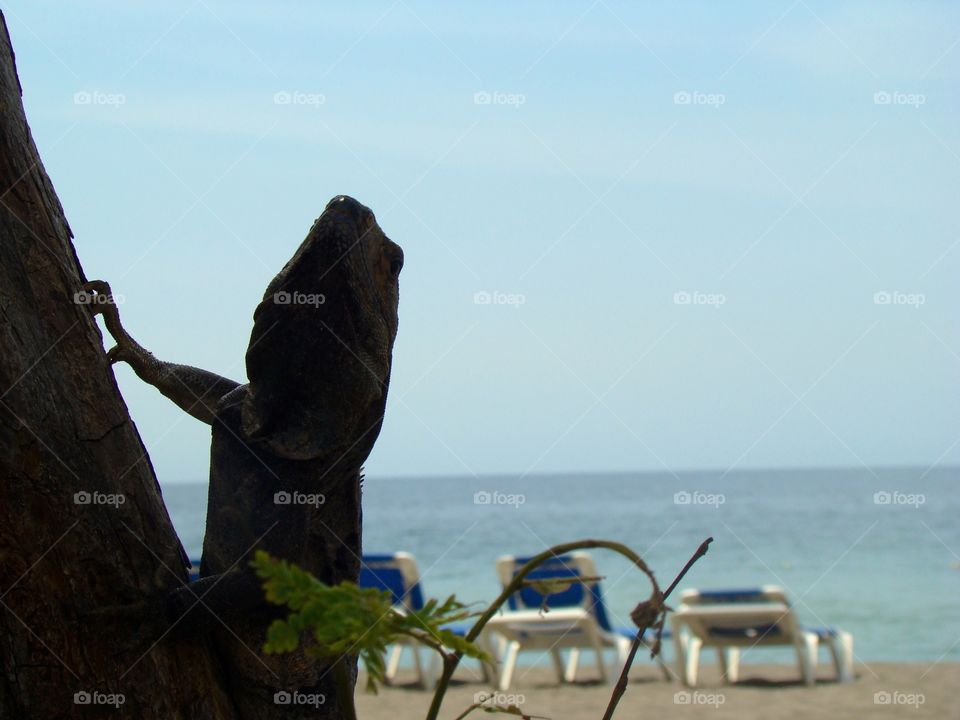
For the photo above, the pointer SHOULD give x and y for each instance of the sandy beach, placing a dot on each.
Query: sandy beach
(881, 690)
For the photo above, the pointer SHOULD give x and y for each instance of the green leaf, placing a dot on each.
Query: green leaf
(348, 620)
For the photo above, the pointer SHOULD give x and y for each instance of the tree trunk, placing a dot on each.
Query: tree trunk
(83, 527)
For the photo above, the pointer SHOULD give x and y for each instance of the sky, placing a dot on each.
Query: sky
(638, 237)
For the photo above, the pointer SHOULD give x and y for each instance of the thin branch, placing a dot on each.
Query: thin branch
(621, 687)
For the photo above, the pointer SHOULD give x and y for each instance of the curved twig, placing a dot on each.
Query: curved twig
(451, 660)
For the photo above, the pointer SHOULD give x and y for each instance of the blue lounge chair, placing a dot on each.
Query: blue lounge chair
(729, 620)
(577, 619)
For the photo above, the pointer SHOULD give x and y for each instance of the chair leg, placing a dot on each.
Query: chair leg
(509, 663)
(572, 661)
(557, 664)
(692, 670)
(601, 665)
(489, 671)
(680, 652)
(722, 662)
(421, 678)
(841, 648)
(393, 664)
(621, 647)
(733, 664)
(434, 668)
(489, 667)
(807, 657)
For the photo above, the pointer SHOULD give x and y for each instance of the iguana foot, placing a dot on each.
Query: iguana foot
(98, 296)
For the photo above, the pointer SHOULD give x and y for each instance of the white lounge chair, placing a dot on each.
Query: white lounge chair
(729, 620)
(398, 574)
(577, 619)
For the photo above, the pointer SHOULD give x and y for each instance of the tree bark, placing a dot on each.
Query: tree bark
(64, 430)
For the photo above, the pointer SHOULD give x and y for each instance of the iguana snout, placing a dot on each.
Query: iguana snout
(346, 207)
(384, 257)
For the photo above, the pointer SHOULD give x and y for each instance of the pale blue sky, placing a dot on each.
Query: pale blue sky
(787, 188)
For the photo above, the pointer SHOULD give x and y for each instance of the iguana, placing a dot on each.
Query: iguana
(287, 448)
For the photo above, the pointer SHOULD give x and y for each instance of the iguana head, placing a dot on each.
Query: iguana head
(320, 352)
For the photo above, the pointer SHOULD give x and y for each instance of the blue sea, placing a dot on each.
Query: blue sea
(873, 552)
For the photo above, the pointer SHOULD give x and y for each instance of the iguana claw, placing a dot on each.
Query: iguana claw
(115, 355)
(98, 296)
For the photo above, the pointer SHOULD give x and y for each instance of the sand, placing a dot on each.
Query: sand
(880, 690)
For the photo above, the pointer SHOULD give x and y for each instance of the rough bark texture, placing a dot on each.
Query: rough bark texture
(64, 429)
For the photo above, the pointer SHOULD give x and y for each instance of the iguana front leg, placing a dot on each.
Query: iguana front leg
(196, 391)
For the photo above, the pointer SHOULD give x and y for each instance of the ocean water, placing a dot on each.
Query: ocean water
(873, 552)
